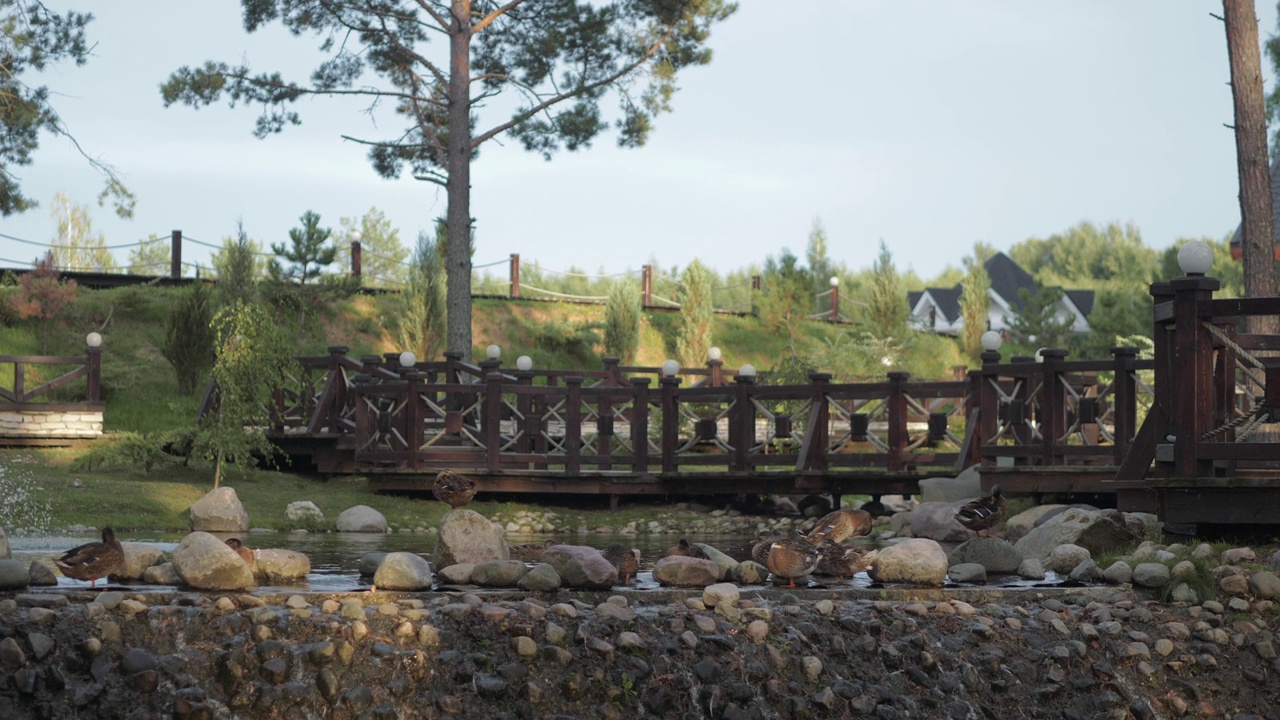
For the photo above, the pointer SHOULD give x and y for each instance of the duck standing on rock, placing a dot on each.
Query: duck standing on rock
(245, 553)
(93, 560)
(792, 559)
(842, 561)
(625, 559)
(530, 553)
(839, 525)
(984, 513)
(453, 489)
(684, 548)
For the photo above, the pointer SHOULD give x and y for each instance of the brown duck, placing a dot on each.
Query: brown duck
(530, 553)
(453, 489)
(684, 548)
(842, 561)
(93, 560)
(625, 559)
(792, 559)
(245, 553)
(984, 513)
(839, 525)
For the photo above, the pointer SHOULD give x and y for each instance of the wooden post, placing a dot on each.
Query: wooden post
(897, 404)
(640, 424)
(513, 274)
(988, 402)
(646, 286)
(175, 254)
(819, 435)
(612, 374)
(1053, 404)
(744, 420)
(717, 373)
(573, 425)
(94, 365)
(835, 304)
(356, 259)
(1257, 246)
(492, 426)
(1193, 373)
(412, 417)
(1124, 396)
(670, 422)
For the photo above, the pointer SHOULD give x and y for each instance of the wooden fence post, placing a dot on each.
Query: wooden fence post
(898, 436)
(492, 420)
(670, 422)
(640, 423)
(988, 402)
(175, 254)
(818, 435)
(573, 424)
(94, 363)
(1124, 398)
(1193, 372)
(646, 285)
(513, 274)
(412, 416)
(1053, 405)
(744, 419)
(357, 257)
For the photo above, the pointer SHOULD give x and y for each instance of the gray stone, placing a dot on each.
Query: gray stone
(5, 553)
(582, 566)
(162, 574)
(965, 486)
(1152, 575)
(207, 563)
(1017, 527)
(498, 573)
(1143, 524)
(683, 571)
(540, 578)
(219, 511)
(726, 563)
(42, 575)
(14, 575)
(1275, 561)
(369, 563)
(1086, 572)
(900, 523)
(137, 558)
(1031, 569)
(994, 554)
(726, 593)
(1119, 573)
(918, 561)
(1065, 558)
(1184, 593)
(937, 521)
(403, 571)
(278, 565)
(457, 574)
(466, 536)
(749, 572)
(361, 519)
(304, 514)
(1235, 556)
(1264, 585)
(969, 572)
(1091, 530)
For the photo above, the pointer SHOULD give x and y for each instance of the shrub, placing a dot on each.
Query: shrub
(188, 343)
(622, 322)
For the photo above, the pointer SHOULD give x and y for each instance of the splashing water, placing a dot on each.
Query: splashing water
(22, 511)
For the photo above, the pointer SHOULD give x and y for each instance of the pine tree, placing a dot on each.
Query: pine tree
(886, 310)
(188, 344)
(422, 318)
(975, 301)
(622, 321)
(696, 313)
(308, 254)
(239, 267)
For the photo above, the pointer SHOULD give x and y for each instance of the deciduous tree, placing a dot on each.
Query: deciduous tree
(150, 257)
(382, 257)
(886, 311)
(975, 300)
(696, 313)
(76, 247)
(554, 61)
(622, 321)
(41, 295)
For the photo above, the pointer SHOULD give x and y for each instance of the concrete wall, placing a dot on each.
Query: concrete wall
(50, 424)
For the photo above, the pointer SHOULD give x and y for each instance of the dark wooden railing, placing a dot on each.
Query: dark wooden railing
(19, 396)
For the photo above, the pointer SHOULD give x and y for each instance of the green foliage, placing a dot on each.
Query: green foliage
(131, 450)
(821, 269)
(239, 266)
(41, 296)
(1039, 323)
(308, 254)
(576, 342)
(381, 254)
(786, 296)
(422, 304)
(1117, 312)
(1087, 254)
(622, 321)
(150, 257)
(696, 312)
(252, 359)
(886, 311)
(975, 301)
(76, 247)
(188, 344)
(1225, 269)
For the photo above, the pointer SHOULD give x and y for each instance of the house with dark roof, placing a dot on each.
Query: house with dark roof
(938, 309)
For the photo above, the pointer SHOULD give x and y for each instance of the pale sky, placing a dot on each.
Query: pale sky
(929, 124)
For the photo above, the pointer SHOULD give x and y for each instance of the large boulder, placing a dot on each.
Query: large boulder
(276, 565)
(1092, 530)
(583, 567)
(466, 536)
(14, 575)
(965, 486)
(498, 573)
(207, 563)
(993, 554)
(1017, 526)
(918, 561)
(137, 558)
(219, 511)
(361, 519)
(937, 521)
(725, 563)
(684, 571)
(304, 514)
(403, 571)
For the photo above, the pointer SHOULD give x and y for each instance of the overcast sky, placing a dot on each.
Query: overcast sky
(928, 124)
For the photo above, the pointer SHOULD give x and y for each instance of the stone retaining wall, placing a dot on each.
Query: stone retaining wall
(50, 424)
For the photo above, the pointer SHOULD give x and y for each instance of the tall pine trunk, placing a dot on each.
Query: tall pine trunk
(458, 217)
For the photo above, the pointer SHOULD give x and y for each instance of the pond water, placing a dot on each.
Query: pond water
(335, 557)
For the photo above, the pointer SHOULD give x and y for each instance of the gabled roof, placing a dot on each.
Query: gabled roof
(1083, 300)
(1007, 277)
(947, 300)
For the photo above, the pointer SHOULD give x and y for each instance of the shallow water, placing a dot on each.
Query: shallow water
(335, 557)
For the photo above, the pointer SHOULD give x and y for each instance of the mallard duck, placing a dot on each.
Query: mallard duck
(530, 553)
(839, 525)
(760, 550)
(245, 553)
(625, 559)
(684, 548)
(842, 561)
(453, 488)
(792, 559)
(93, 560)
(984, 513)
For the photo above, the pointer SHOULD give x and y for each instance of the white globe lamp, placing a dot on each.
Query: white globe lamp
(524, 363)
(991, 341)
(1195, 258)
(408, 359)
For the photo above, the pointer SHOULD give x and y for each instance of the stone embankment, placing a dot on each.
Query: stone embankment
(1074, 653)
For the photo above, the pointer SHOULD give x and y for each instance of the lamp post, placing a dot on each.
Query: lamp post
(94, 366)
(835, 299)
(356, 254)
